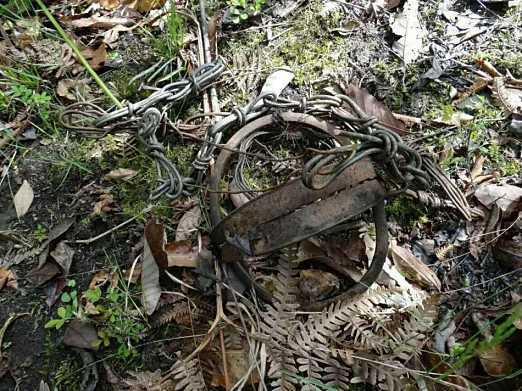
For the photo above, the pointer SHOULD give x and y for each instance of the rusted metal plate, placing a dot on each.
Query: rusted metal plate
(290, 196)
(314, 218)
(294, 212)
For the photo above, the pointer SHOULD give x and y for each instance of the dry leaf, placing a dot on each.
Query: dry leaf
(413, 268)
(7, 278)
(142, 381)
(151, 289)
(63, 255)
(188, 224)
(182, 254)
(99, 279)
(41, 275)
(110, 4)
(121, 174)
(111, 36)
(145, 5)
(497, 361)
(96, 57)
(407, 25)
(81, 334)
(507, 197)
(370, 105)
(104, 205)
(72, 89)
(97, 22)
(23, 199)
(156, 237)
(54, 290)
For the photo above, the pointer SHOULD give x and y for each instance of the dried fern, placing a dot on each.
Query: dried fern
(188, 376)
(279, 324)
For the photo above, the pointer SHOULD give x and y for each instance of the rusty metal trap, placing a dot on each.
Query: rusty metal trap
(323, 192)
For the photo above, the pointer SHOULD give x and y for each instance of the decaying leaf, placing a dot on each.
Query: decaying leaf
(96, 57)
(103, 205)
(497, 361)
(188, 224)
(63, 255)
(413, 268)
(370, 105)
(23, 199)
(456, 118)
(507, 197)
(41, 275)
(151, 289)
(8, 278)
(97, 22)
(72, 89)
(408, 27)
(81, 334)
(157, 239)
(121, 174)
(144, 381)
(182, 254)
(138, 5)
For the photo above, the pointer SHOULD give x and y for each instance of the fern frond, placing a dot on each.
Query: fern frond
(188, 376)
(279, 324)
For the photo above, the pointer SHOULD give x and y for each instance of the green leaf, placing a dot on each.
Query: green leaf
(52, 323)
(244, 16)
(56, 323)
(71, 283)
(66, 298)
(62, 312)
(93, 295)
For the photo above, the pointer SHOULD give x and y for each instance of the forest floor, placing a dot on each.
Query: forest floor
(105, 287)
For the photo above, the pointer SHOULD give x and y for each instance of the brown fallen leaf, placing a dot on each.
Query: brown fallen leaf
(81, 334)
(63, 255)
(182, 254)
(97, 22)
(72, 89)
(121, 174)
(23, 199)
(497, 361)
(151, 289)
(110, 4)
(96, 57)
(157, 238)
(145, 5)
(8, 278)
(188, 224)
(41, 275)
(507, 197)
(144, 381)
(55, 233)
(103, 205)
(371, 106)
(54, 290)
(413, 268)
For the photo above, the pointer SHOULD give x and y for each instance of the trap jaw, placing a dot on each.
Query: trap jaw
(294, 212)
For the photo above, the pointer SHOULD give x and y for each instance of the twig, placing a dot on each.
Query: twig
(102, 235)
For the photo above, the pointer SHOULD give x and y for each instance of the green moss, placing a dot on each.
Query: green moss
(406, 212)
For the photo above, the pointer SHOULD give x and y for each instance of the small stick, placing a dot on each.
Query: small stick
(102, 235)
